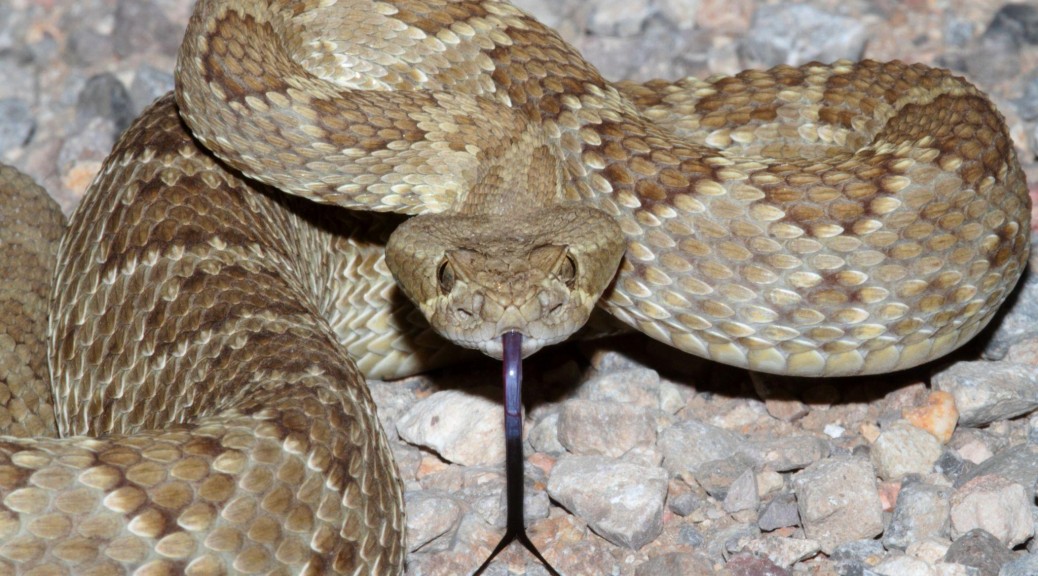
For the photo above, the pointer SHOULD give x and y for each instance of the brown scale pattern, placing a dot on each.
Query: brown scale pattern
(820, 220)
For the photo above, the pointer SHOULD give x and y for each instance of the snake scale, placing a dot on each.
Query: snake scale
(224, 267)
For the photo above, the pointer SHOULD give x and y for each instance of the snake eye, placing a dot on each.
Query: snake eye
(567, 271)
(445, 276)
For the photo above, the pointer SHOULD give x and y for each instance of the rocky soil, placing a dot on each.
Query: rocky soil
(643, 461)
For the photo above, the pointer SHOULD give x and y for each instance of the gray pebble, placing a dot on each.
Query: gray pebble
(985, 391)
(790, 453)
(903, 449)
(675, 564)
(838, 501)
(622, 502)
(690, 443)
(981, 550)
(798, 33)
(16, 123)
(921, 512)
(1026, 565)
(780, 512)
(589, 428)
(104, 96)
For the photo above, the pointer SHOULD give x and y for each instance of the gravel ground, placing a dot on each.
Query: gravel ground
(642, 461)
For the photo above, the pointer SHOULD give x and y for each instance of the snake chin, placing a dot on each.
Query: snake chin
(477, 277)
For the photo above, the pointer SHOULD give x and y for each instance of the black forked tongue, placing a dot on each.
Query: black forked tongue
(512, 370)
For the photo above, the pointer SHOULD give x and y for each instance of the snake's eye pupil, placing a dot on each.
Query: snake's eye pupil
(567, 272)
(445, 276)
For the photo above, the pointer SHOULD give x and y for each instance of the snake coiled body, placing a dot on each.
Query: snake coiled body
(822, 220)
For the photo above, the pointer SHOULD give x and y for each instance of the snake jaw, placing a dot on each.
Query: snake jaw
(476, 278)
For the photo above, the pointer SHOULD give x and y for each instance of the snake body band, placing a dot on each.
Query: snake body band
(206, 321)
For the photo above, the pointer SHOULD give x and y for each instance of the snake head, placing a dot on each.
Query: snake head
(475, 278)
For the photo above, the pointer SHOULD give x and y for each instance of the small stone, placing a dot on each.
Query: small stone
(981, 550)
(1017, 20)
(931, 550)
(675, 564)
(148, 84)
(431, 516)
(746, 564)
(543, 435)
(784, 552)
(1026, 565)
(988, 391)
(464, 428)
(904, 449)
(717, 476)
(995, 504)
(938, 417)
(619, 17)
(104, 96)
(681, 499)
(838, 501)
(16, 123)
(853, 558)
(690, 443)
(780, 512)
(621, 502)
(797, 33)
(1018, 464)
(742, 495)
(790, 453)
(604, 428)
(921, 512)
(638, 386)
(902, 565)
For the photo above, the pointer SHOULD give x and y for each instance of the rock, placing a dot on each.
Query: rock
(901, 565)
(921, 512)
(995, 504)
(16, 123)
(780, 512)
(543, 435)
(745, 564)
(638, 385)
(462, 427)
(681, 498)
(798, 33)
(904, 449)
(621, 502)
(852, 558)
(717, 476)
(604, 428)
(675, 564)
(1017, 20)
(1026, 565)
(140, 26)
(1018, 464)
(938, 417)
(690, 443)
(431, 517)
(790, 453)
(783, 552)
(988, 391)
(742, 495)
(104, 96)
(981, 550)
(148, 84)
(619, 17)
(483, 490)
(931, 550)
(838, 501)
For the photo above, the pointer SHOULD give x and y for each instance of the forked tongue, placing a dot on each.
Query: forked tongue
(512, 371)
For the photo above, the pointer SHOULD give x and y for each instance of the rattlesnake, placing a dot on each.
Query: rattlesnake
(822, 220)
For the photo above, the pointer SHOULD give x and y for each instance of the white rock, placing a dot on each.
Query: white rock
(903, 449)
(999, 506)
(622, 502)
(462, 427)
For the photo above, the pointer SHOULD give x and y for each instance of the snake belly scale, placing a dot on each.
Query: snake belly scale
(824, 220)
